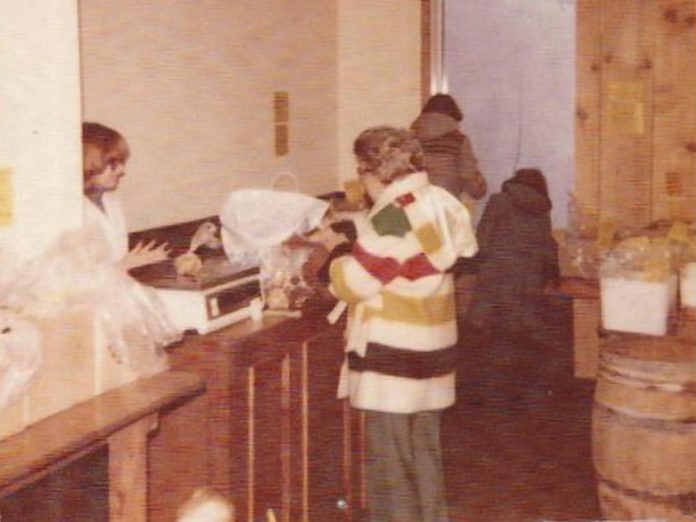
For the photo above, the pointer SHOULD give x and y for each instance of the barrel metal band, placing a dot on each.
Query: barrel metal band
(630, 418)
(614, 375)
(684, 502)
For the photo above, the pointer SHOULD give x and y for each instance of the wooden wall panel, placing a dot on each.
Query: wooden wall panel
(587, 110)
(626, 111)
(635, 123)
(636, 109)
(674, 146)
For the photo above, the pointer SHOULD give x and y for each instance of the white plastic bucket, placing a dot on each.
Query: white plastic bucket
(637, 306)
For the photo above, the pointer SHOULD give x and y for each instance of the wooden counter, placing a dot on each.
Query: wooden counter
(121, 418)
(586, 323)
(269, 432)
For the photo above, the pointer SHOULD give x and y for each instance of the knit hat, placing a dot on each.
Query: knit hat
(444, 104)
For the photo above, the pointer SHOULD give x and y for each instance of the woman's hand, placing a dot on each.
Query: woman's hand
(147, 254)
(326, 237)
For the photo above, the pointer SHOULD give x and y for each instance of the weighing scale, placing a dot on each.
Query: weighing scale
(221, 294)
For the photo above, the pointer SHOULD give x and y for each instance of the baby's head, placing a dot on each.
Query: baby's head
(206, 505)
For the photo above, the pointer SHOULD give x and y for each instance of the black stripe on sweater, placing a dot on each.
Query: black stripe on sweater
(398, 362)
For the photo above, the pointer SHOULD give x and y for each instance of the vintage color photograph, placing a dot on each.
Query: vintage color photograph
(347, 260)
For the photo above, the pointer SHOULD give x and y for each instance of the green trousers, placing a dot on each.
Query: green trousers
(403, 474)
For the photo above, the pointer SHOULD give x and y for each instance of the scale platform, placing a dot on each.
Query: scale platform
(221, 294)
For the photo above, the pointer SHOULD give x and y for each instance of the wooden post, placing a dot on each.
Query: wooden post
(586, 321)
(128, 471)
(426, 49)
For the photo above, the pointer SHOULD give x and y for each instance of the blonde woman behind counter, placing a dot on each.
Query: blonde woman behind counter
(104, 156)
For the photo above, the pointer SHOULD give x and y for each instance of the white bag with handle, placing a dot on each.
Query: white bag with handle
(254, 220)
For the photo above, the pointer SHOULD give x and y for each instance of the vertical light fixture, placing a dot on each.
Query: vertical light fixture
(438, 76)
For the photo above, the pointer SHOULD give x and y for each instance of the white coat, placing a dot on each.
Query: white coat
(108, 225)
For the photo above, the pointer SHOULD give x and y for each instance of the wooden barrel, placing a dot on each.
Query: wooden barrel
(644, 428)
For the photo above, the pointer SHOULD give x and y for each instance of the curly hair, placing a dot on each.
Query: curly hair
(388, 153)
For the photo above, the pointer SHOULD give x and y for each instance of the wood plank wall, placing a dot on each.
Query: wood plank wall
(636, 110)
(587, 115)
(675, 109)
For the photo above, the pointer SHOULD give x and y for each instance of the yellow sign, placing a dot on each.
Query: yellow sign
(627, 90)
(626, 108)
(606, 233)
(6, 198)
(679, 231)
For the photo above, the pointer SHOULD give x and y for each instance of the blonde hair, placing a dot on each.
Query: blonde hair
(194, 508)
(388, 153)
(101, 147)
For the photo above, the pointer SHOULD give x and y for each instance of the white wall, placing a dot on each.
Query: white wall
(378, 69)
(40, 121)
(190, 84)
(510, 64)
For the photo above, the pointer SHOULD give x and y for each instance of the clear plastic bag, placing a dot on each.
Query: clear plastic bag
(76, 275)
(640, 257)
(580, 240)
(282, 280)
(20, 354)
(254, 220)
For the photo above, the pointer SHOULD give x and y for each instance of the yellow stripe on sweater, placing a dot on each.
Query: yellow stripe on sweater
(339, 283)
(423, 311)
(428, 237)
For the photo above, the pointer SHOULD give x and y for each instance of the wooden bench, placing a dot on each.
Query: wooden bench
(121, 418)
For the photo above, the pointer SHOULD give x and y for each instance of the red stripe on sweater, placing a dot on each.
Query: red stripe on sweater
(416, 267)
(383, 269)
(386, 268)
(405, 199)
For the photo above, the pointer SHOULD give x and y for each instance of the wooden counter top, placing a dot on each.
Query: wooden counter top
(578, 287)
(273, 328)
(28, 454)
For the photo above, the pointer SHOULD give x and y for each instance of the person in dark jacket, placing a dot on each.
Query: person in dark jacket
(518, 261)
(518, 255)
(449, 157)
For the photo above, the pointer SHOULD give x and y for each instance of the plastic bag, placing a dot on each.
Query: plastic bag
(282, 281)
(20, 354)
(640, 257)
(581, 240)
(75, 275)
(257, 219)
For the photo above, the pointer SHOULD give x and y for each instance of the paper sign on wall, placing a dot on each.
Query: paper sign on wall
(679, 231)
(626, 107)
(6, 200)
(606, 233)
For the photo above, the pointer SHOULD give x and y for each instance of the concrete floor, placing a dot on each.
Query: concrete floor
(517, 443)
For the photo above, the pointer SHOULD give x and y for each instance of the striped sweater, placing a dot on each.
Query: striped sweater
(402, 331)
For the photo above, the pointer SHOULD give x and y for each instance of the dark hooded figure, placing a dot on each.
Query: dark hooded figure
(518, 256)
